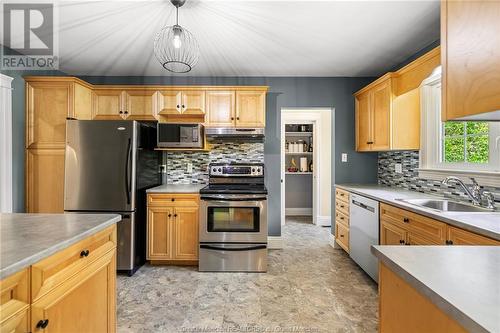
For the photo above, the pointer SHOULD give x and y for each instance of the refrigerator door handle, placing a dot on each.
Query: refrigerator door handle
(127, 176)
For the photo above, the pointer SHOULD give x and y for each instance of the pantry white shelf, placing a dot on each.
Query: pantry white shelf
(297, 153)
(298, 173)
(298, 133)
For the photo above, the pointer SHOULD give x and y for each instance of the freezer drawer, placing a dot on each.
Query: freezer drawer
(242, 257)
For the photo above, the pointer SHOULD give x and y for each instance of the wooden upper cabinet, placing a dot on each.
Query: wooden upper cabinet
(169, 102)
(381, 111)
(363, 122)
(108, 104)
(193, 102)
(48, 106)
(45, 180)
(470, 57)
(220, 108)
(82, 102)
(250, 108)
(140, 105)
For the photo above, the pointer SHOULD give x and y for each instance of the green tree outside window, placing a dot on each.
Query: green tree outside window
(466, 142)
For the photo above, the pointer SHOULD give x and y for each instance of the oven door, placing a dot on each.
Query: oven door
(233, 218)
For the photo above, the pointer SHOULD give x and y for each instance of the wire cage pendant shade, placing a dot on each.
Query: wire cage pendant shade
(175, 47)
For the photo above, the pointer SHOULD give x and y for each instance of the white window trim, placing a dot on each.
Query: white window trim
(5, 144)
(430, 152)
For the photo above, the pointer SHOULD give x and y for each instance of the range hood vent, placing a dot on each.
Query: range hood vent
(215, 134)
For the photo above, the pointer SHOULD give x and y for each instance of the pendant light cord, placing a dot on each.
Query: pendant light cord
(177, 15)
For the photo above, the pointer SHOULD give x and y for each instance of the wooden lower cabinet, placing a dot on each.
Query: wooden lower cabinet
(342, 218)
(457, 236)
(173, 227)
(14, 303)
(391, 234)
(403, 309)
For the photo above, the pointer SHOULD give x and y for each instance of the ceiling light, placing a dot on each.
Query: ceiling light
(175, 47)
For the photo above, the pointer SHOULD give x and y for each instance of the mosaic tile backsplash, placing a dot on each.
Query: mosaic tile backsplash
(226, 152)
(409, 178)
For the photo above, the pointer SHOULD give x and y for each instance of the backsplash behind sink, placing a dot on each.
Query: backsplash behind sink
(409, 179)
(226, 152)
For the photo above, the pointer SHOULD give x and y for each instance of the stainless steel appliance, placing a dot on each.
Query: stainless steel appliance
(363, 233)
(108, 167)
(235, 134)
(180, 135)
(233, 219)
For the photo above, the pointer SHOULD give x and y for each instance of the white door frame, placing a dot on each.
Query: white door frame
(5, 144)
(303, 116)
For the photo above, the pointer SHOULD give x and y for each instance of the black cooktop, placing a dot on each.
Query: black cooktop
(234, 189)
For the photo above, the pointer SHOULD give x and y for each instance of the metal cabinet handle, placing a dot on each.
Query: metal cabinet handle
(126, 112)
(183, 106)
(178, 106)
(175, 215)
(406, 220)
(449, 242)
(120, 112)
(42, 324)
(342, 236)
(173, 199)
(237, 118)
(169, 215)
(84, 253)
(401, 241)
(232, 118)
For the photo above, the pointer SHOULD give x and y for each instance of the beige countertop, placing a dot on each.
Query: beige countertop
(176, 188)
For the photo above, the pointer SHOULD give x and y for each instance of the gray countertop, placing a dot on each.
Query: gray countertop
(486, 224)
(463, 281)
(176, 188)
(28, 238)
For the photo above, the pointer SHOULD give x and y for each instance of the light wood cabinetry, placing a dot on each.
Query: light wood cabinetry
(220, 108)
(250, 108)
(73, 290)
(108, 104)
(119, 104)
(181, 104)
(342, 218)
(399, 226)
(470, 58)
(139, 104)
(404, 309)
(388, 110)
(172, 227)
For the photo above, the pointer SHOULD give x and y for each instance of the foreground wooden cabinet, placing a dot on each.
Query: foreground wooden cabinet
(470, 58)
(342, 218)
(388, 110)
(66, 292)
(173, 221)
(402, 227)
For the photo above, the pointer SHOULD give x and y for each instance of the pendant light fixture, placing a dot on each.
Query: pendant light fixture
(175, 47)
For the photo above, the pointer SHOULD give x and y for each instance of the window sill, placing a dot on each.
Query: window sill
(484, 178)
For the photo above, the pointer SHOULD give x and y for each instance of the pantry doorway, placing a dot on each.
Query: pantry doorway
(306, 138)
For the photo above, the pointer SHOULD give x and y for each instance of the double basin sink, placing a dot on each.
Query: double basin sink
(444, 205)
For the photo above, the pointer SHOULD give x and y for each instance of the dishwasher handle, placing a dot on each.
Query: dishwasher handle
(362, 205)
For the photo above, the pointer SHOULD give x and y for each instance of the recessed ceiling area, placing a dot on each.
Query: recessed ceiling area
(247, 38)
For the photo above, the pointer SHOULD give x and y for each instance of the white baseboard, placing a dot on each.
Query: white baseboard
(324, 221)
(274, 242)
(332, 241)
(298, 211)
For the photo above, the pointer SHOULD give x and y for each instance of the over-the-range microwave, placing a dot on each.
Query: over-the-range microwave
(180, 135)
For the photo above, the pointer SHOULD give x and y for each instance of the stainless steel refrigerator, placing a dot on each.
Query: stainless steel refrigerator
(108, 167)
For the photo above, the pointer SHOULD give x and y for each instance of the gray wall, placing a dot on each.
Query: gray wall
(291, 92)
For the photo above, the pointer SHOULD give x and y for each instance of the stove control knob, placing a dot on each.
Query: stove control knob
(214, 170)
(220, 170)
(253, 170)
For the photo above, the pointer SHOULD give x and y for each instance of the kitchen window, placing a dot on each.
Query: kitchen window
(463, 149)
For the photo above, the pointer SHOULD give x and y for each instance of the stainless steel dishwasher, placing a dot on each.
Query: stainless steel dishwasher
(363, 233)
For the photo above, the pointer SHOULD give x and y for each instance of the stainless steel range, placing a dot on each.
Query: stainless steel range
(233, 219)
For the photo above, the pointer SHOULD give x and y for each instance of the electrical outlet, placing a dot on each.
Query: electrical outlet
(344, 157)
(163, 168)
(398, 168)
(190, 168)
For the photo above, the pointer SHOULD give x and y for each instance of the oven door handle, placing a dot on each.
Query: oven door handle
(210, 247)
(213, 199)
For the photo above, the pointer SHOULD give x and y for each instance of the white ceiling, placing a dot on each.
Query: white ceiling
(248, 38)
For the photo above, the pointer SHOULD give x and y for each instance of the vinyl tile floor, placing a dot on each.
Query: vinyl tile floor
(309, 287)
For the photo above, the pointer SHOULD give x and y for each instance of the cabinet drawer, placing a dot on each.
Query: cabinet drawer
(165, 199)
(459, 236)
(51, 272)
(341, 206)
(342, 236)
(14, 302)
(342, 195)
(341, 218)
(394, 215)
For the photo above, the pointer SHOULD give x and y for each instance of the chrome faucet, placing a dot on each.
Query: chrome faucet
(475, 194)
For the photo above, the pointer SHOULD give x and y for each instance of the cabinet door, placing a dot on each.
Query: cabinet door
(48, 106)
(470, 57)
(82, 102)
(363, 121)
(45, 180)
(462, 237)
(391, 234)
(381, 110)
(193, 102)
(160, 233)
(342, 236)
(186, 223)
(414, 238)
(169, 102)
(220, 108)
(108, 105)
(139, 105)
(250, 108)
(84, 303)
(14, 303)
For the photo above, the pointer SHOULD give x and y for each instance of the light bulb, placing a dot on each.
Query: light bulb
(177, 42)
